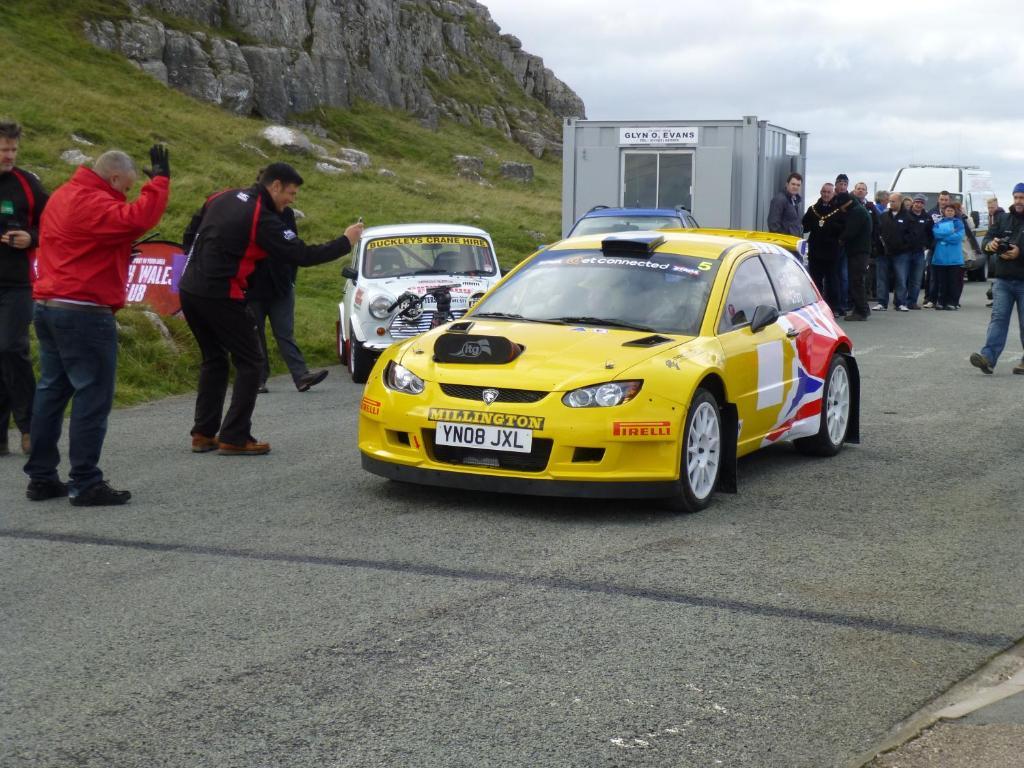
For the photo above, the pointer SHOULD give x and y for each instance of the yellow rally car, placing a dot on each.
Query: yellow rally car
(638, 365)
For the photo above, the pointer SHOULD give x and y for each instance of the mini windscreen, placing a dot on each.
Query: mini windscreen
(480, 350)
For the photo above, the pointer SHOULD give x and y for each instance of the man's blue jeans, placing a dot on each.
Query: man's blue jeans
(909, 267)
(77, 358)
(1005, 294)
(883, 265)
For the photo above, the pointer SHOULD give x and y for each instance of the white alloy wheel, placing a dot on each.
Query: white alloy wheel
(703, 450)
(837, 409)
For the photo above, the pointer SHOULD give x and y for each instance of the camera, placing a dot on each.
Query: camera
(1004, 243)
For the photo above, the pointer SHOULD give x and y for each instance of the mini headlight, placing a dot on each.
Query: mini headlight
(602, 395)
(401, 379)
(379, 306)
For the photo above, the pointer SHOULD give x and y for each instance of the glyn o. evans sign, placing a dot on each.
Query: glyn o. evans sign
(657, 137)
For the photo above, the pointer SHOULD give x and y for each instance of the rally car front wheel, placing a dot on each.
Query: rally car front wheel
(701, 462)
(360, 361)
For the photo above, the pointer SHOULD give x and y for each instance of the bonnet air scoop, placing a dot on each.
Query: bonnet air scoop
(473, 349)
(647, 341)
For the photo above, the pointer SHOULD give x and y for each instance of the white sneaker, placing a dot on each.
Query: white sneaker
(878, 307)
(902, 308)
(928, 304)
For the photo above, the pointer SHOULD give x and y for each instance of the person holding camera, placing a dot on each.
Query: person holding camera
(1005, 239)
(22, 200)
(227, 238)
(85, 244)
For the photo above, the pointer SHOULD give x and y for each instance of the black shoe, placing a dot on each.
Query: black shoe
(5, 449)
(309, 379)
(855, 316)
(41, 490)
(978, 360)
(100, 495)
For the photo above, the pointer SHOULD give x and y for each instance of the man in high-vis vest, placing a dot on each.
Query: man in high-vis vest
(22, 200)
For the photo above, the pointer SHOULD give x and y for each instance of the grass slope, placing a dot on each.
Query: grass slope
(55, 83)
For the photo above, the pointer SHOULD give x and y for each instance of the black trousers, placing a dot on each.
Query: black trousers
(857, 265)
(825, 274)
(224, 327)
(17, 381)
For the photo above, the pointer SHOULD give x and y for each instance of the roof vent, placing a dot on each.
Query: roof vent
(641, 243)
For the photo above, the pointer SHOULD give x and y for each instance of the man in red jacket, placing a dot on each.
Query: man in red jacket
(85, 244)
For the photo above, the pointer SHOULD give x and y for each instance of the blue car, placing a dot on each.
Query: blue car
(601, 219)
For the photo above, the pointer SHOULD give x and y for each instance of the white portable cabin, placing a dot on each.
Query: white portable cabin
(725, 172)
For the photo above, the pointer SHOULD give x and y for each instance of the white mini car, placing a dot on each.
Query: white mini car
(406, 279)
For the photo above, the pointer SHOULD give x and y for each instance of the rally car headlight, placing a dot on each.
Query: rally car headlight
(602, 395)
(379, 306)
(401, 379)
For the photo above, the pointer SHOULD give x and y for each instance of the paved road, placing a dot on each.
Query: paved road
(290, 610)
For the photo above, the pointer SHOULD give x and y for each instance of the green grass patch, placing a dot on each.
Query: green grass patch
(56, 84)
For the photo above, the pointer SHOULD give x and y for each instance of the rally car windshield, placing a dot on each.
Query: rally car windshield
(599, 225)
(661, 293)
(428, 255)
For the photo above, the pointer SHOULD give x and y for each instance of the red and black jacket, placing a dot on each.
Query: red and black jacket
(236, 229)
(22, 200)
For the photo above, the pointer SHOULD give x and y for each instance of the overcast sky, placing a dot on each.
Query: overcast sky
(876, 85)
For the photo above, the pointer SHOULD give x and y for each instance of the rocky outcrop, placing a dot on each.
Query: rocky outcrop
(291, 56)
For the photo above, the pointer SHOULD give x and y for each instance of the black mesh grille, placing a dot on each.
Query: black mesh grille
(534, 461)
(402, 328)
(467, 392)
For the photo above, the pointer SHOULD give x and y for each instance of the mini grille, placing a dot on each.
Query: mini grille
(467, 392)
(401, 328)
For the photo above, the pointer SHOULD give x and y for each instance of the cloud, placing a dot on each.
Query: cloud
(876, 86)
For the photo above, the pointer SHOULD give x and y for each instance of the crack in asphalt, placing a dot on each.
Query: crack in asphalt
(550, 582)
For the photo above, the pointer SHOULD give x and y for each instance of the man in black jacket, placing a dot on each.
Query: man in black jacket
(856, 240)
(784, 211)
(919, 238)
(1005, 239)
(894, 259)
(824, 223)
(22, 200)
(236, 229)
(271, 294)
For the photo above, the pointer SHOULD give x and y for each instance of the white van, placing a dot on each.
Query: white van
(967, 184)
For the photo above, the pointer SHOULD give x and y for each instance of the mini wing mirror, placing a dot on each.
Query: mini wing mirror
(976, 218)
(349, 272)
(763, 317)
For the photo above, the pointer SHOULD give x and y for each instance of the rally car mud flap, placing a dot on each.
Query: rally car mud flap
(853, 429)
(728, 479)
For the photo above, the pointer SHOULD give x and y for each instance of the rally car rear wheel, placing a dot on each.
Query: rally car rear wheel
(836, 402)
(701, 463)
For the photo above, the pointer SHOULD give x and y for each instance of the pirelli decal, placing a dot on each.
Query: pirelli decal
(369, 406)
(486, 418)
(642, 430)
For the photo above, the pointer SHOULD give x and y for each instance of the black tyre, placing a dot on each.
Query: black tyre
(836, 405)
(360, 361)
(341, 344)
(702, 452)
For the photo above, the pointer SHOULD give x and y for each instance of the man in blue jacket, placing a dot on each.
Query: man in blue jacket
(784, 214)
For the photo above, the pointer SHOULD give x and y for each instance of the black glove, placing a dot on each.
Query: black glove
(159, 161)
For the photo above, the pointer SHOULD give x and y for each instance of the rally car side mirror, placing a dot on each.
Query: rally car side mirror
(764, 316)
